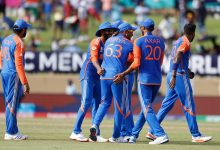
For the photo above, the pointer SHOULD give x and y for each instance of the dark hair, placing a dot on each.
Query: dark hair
(150, 29)
(16, 29)
(189, 28)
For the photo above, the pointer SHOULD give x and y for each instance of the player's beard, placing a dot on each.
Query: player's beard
(192, 38)
(106, 36)
(24, 34)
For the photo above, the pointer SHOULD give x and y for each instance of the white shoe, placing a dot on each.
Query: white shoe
(101, 139)
(17, 136)
(78, 137)
(117, 140)
(150, 136)
(160, 140)
(127, 138)
(132, 139)
(201, 139)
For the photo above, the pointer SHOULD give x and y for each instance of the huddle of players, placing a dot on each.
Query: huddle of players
(107, 73)
(108, 68)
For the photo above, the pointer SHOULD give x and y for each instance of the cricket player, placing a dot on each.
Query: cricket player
(178, 85)
(116, 52)
(148, 57)
(128, 121)
(14, 80)
(90, 80)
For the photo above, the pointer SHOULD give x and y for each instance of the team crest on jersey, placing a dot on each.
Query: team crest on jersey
(94, 48)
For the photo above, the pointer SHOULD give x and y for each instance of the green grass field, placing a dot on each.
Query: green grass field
(53, 134)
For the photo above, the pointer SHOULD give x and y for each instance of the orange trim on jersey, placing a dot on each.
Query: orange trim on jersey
(130, 57)
(94, 49)
(137, 56)
(18, 54)
(10, 108)
(126, 116)
(189, 111)
(185, 45)
(119, 109)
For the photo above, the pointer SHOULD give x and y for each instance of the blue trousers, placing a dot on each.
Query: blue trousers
(147, 94)
(13, 92)
(90, 96)
(128, 121)
(183, 91)
(110, 90)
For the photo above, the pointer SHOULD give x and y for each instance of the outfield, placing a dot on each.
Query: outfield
(53, 134)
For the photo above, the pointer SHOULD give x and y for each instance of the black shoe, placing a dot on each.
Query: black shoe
(92, 135)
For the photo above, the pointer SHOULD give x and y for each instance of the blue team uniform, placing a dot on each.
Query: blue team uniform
(128, 121)
(13, 76)
(116, 52)
(182, 90)
(90, 84)
(148, 55)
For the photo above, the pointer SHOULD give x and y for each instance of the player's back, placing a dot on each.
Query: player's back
(152, 52)
(8, 49)
(115, 56)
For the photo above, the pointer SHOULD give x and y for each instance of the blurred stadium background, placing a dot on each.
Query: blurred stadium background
(56, 46)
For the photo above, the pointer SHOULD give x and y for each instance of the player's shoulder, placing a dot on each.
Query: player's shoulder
(96, 41)
(8, 40)
(127, 41)
(139, 40)
(183, 41)
(17, 40)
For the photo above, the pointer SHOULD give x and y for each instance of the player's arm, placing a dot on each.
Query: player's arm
(174, 69)
(180, 51)
(190, 73)
(20, 68)
(136, 63)
(162, 54)
(94, 49)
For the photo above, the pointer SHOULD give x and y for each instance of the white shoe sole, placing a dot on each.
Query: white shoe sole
(75, 139)
(162, 142)
(201, 141)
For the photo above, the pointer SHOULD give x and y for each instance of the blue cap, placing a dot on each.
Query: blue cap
(103, 26)
(126, 26)
(21, 24)
(148, 23)
(117, 23)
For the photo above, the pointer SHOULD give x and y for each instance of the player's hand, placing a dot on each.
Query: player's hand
(191, 74)
(26, 89)
(172, 82)
(118, 78)
(101, 71)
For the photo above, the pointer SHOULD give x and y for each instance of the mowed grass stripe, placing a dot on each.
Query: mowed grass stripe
(53, 134)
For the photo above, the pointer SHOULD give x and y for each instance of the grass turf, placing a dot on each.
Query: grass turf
(53, 134)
